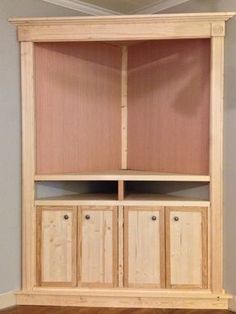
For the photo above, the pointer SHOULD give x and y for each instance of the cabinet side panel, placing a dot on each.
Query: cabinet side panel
(78, 115)
(28, 165)
(168, 106)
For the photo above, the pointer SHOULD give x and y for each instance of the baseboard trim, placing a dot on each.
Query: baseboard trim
(7, 299)
(232, 304)
(85, 299)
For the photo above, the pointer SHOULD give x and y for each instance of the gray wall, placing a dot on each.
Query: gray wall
(229, 131)
(10, 142)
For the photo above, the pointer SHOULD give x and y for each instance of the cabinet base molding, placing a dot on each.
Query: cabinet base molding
(7, 299)
(232, 304)
(124, 298)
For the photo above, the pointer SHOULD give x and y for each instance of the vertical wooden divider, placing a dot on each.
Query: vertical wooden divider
(216, 161)
(28, 164)
(120, 246)
(121, 191)
(124, 111)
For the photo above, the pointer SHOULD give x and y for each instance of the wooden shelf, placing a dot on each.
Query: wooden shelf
(111, 200)
(126, 175)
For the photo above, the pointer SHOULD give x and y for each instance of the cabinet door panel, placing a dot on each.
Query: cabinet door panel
(186, 245)
(98, 236)
(56, 246)
(144, 247)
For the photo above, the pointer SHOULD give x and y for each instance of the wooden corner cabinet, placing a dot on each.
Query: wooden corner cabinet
(122, 120)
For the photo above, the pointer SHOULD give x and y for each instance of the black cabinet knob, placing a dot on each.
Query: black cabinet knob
(66, 217)
(87, 217)
(176, 218)
(154, 218)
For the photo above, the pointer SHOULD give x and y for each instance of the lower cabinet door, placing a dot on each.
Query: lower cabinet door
(186, 247)
(56, 246)
(98, 246)
(144, 250)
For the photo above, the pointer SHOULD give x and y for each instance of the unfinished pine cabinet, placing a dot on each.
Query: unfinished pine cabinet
(56, 246)
(122, 121)
(186, 247)
(144, 249)
(98, 232)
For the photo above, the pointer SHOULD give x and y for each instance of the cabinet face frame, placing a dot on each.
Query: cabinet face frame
(39, 246)
(204, 246)
(69, 29)
(161, 231)
(114, 243)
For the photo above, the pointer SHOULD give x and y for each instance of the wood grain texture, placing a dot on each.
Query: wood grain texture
(144, 263)
(28, 166)
(168, 106)
(124, 109)
(98, 259)
(216, 160)
(56, 246)
(76, 310)
(120, 246)
(121, 190)
(130, 199)
(78, 94)
(132, 27)
(186, 247)
(127, 175)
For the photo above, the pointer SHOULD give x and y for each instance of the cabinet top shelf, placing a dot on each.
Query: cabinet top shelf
(126, 175)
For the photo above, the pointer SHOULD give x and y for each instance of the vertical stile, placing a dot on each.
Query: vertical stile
(216, 160)
(28, 170)
(124, 112)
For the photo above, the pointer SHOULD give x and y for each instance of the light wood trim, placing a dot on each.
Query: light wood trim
(124, 109)
(39, 256)
(216, 160)
(112, 28)
(204, 236)
(28, 166)
(140, 299)
(126, 175)
(182, 17)
(120, 246)
(130, 199)
(162, 246)
(113, 31)
(121, 190)
(131, 292)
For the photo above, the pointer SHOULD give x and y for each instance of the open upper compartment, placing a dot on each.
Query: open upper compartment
(107, 106)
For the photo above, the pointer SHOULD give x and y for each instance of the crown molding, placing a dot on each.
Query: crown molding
(83, 7)
(158, 6)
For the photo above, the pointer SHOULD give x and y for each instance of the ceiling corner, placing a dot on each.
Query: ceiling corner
(158, 6)
(83, 7)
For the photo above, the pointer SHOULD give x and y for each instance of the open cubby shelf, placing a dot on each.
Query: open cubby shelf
(121, 192)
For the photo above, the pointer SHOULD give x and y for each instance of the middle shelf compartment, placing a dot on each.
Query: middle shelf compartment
(121, 193)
